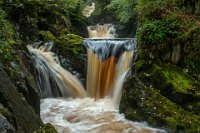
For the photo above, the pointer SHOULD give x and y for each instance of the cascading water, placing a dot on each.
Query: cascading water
(109, 61)
(53, 80)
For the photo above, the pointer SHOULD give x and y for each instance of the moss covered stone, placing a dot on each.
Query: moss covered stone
(143, 103)
(18, 112)
(46, 36)
(47, 128)
(171, 82)
(70, 46)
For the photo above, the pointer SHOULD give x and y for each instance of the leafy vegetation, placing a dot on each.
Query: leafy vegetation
(164, 26)
(33, 16)
(123, 9)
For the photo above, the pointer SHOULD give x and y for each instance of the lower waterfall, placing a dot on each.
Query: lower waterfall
(94, 109)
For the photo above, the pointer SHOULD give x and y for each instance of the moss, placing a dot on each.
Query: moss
(171, 82)
(34, 16)
(164, 26)
(47, 128)
(46, 36)
(6, 113)
(6, 28)
(156, 109)
(181, 81)
(70, 44)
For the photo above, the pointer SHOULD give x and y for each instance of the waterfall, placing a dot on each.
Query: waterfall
(53, 80)
(94, 110)
(108, 60)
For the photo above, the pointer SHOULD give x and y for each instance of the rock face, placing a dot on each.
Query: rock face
(17, 111)
(144, 103)
(5, 126)
(26, 84)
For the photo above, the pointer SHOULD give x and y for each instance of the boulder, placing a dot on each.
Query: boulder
(143, 103)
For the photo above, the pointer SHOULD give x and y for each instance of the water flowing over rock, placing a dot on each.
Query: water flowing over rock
(54, 80)
(109, 61)
(101, 31)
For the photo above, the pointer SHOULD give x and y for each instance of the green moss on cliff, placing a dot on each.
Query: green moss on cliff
(142, 103)
(69, 44)
(168, 34)
(47, 128)
(33, 17)
(171, 82)
(46, 36)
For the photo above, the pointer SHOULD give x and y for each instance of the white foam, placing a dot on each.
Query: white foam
(89, 116)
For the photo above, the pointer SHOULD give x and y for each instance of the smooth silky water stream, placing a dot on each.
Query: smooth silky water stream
(94, 110)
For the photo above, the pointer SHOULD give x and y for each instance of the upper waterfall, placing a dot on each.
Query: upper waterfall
(109, 60)
(105, 48)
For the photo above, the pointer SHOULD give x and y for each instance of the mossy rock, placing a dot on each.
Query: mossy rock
(73, 43)
(21, 116)
(71, 47)
(172, 82)
(69, 44)
(46, 36)
(142, 103)
(46, 128)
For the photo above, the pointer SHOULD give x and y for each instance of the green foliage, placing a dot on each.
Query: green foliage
(162, 27)
(152, 9)
(34, 16)
(6, 29)
(189, 6)
(123, 9)
(6, 38)
(6, 51)
(159, 31)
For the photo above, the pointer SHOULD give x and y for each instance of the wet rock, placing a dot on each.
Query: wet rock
(141, 103)
(173, 83)
(22, 115)
(71, 47)
(25, 82)
(5, 126)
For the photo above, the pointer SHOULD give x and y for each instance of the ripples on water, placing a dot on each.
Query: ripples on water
(89, 116)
